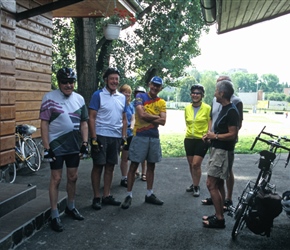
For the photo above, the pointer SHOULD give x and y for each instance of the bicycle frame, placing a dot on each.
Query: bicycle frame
(262, 183)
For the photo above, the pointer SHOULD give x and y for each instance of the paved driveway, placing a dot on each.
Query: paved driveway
(175, 225)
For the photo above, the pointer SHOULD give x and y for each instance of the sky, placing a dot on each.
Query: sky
(262, 48)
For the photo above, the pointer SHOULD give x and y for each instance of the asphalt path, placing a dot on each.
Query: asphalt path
(175, 225)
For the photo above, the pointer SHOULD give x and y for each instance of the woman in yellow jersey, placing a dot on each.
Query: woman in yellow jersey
(197, 117)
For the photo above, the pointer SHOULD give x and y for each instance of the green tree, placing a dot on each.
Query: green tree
(185, 86)
(208, 80)
(162, 43)
(272, 82)
(244, 82)
(63, 47)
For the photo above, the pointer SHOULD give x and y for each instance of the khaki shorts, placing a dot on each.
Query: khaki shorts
(220, 163)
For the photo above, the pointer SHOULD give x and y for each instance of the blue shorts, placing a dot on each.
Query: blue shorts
(71, 161)
(145, 148)
(109, 152)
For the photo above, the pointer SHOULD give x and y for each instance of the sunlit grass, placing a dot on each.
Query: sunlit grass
(172, 145)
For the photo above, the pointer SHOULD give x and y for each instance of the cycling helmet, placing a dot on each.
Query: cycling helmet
(140, 89)
(286, 202)
(110, 71)
(157, 80)
(65, 74)
(198, 87)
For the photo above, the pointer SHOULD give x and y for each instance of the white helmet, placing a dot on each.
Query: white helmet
(140, 89)
(286, 202)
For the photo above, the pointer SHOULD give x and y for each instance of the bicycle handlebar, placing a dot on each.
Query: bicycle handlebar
(275, 144)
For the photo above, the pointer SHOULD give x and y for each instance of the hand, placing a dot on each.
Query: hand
(96, 145)
(84, 151)
(49, 155)
(124, 141)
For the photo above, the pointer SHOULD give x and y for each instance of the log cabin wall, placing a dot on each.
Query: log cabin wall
(26, 58)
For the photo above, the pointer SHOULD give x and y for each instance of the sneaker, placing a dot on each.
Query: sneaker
(56, 225)
(190, 188)
(75, 214)
(110, 200)
(97, 204)
(153, 200)
(196, 191)
(123, 183)
(127, 202)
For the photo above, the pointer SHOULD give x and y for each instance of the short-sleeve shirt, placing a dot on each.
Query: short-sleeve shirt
(129, 113)
(110, 109)
(64, 115)
(153, 106)
(228, 117)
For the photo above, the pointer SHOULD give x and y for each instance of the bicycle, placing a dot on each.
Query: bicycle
(26, 152)
(262, 184)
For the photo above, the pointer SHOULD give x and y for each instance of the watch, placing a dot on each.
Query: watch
(216, 136)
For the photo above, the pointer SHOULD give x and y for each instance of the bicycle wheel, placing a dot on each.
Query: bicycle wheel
(240, 219)
(8, 173)
(31, 154)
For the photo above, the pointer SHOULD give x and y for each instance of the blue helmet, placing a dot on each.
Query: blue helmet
(157, 80)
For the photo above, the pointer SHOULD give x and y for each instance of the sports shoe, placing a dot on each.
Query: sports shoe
(110, 200)
(75, 214)
(56, 225)
(190, 188)
(123, 183)
(127, 202)
(153, 200)
(196, 191)
(97, 204)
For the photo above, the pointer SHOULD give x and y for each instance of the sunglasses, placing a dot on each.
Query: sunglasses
(68, 81)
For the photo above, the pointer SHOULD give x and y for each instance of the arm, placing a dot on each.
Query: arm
(44, 133)
(92, 121)
(84, 131)
(145, 116)
(240, 109)
(161, 120)
(132, 122)
(231, 135)
(125, 125)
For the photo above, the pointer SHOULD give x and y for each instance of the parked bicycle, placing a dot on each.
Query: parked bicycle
(26, 153)
(247, 205)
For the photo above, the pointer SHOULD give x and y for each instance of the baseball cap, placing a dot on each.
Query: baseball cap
(157, 80)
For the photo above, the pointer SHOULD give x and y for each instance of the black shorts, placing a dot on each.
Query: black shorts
(195, 147)
(71, 161)
(126, 147)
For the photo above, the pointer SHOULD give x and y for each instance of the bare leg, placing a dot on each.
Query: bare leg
(108, 177)
(55, 178)
(96, 179)
(150, 175)
(131, 175)
(72, 176)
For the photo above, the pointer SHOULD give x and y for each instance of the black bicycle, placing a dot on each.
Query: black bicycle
(262, 184)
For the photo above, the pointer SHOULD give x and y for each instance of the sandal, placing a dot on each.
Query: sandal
(227, 204)
(208, 217)
(213, 222)
(137, 175)
(143, 177)
(207, 201)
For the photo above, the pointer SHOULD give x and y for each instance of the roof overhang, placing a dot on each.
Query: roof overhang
(236, 14)
(80, 8)
(99, 8)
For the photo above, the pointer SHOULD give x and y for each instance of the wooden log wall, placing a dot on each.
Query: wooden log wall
(26, 58)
